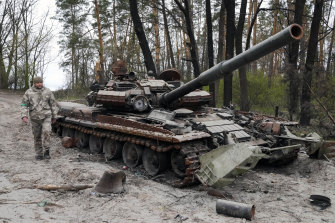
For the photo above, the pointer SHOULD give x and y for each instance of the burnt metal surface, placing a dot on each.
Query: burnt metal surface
(132, 124)
(79, 111)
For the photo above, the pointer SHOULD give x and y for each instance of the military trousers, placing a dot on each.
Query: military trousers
(42, 132)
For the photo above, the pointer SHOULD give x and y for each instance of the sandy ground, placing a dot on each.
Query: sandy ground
(279, 194)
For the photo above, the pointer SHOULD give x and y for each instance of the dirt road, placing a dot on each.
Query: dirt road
(279, 194)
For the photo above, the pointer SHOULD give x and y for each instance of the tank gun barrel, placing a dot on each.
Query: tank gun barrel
(292, 33)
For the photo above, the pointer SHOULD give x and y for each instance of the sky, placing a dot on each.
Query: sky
(54, 77)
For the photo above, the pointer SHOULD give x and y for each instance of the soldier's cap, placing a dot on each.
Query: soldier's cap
(38, 80)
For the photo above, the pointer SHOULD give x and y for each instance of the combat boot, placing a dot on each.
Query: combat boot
(46, 154)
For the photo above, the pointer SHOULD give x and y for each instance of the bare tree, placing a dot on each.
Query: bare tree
(244, 106)
(168, 37)
(23, 43)
(157, 40)
(306, 105)
(228, 80)
(292, 71)
(149, 63)
(274, 31)
(210, 49)
(186, 10)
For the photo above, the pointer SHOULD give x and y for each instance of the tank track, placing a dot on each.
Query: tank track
(190, 151)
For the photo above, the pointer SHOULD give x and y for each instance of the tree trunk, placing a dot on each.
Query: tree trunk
(188, 56)
(330, 49)
(15, 63)
(244, 104)
(306, 105)
(320, 68)
(167, 33)
(149, 63)
(274, 31)
(254, 36)
(249, 15)
(222, 22)
(157, 42)
(210, 49)
(101, 73)
(190, 32)
(124, 43)
(292, 71)
(228, 80)
(115, 51)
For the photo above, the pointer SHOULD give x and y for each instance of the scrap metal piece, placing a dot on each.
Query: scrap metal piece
(68, 142)
(220, 166)
(281, 155)
(111, 183)
(315, 145)
(235, 209)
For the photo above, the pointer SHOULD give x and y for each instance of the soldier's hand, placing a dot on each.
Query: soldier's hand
(53, 120)
(25, 119)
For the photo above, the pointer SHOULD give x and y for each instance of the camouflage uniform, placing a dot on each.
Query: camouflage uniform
(41, 106)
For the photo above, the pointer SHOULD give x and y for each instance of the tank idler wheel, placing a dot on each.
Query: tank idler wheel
(81, 139)
(67, 132)
(178, 163)
(155, 162)
(112, 149)
(132, 154)
(95, 144)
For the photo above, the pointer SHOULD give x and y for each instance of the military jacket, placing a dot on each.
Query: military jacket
(39, 104)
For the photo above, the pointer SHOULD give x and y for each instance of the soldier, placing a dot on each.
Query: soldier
(39, 103)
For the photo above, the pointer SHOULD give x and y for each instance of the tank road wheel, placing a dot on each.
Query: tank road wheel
(132, 154)
(154, 162)
(112, 149)
(95, 144)
(82, 139)
(178, 163)
(67, 132)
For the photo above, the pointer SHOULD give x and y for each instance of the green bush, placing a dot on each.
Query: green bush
(264, 99)
(261, 98)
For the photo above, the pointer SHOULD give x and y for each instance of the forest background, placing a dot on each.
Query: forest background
(189, 35)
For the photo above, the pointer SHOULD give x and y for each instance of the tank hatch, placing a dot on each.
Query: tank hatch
(155, 85)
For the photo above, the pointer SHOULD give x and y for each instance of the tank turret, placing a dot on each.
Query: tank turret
(126, 93)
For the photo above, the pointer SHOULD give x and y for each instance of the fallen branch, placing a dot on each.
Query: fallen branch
(29, 202)
(64, 187)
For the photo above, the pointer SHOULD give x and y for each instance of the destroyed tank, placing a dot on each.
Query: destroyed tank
(166, 124)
